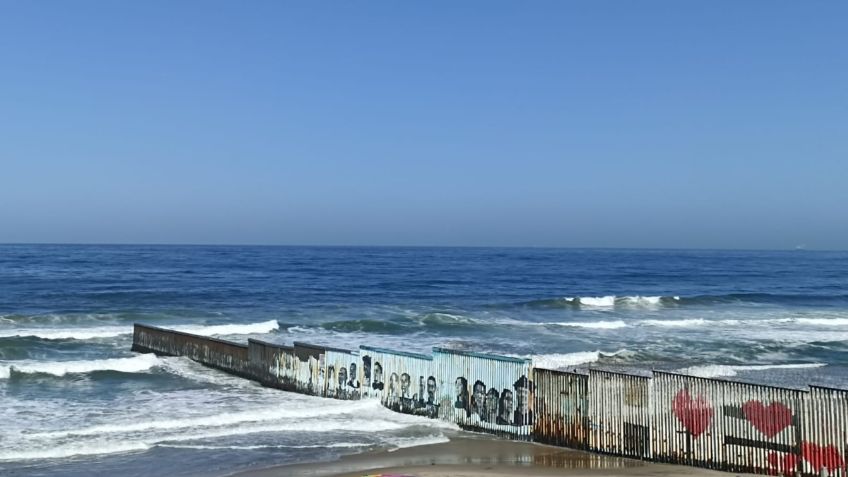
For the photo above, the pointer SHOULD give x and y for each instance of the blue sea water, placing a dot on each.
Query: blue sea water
(76, 401)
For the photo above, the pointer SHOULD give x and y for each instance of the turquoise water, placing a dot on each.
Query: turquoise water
(76, 401)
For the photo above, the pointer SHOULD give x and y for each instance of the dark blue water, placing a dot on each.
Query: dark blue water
(77, 401)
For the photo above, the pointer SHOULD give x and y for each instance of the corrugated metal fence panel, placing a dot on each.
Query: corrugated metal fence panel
(824, 445)
(562, 404)
(761, 427)
(486, 393)
(342, 374)
(217, 353)
(687, 428)
(620, 414)
(271, 363)
(404, 382)
(308, 368)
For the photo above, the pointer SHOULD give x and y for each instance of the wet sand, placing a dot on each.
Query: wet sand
(480, 456)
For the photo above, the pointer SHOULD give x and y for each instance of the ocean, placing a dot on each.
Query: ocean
(76, 401)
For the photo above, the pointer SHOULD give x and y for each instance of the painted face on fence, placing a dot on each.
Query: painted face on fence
(431, 389)
(404, 384)
(342, 376)
(479, 396)
(490, 406)
(378, 372)
(522, 398)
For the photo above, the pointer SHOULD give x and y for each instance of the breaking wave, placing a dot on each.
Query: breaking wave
(651, 301)
(114, 331)
(601, 325)
(135, 364)
(607, 301)
(721, 370)
(567, 360)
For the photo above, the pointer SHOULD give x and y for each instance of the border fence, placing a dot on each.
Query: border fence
(661, 417)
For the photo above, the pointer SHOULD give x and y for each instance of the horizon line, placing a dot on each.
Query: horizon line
(562, 247)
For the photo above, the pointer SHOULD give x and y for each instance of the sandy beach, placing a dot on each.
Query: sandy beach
(480, 456)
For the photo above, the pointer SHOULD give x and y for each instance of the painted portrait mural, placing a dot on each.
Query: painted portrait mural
(402, 381)
(488, 393)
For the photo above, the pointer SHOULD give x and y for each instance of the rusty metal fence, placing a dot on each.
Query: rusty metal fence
(213, 352)
(664, 417)
(620, 414)
(271, 364)
(562, 408)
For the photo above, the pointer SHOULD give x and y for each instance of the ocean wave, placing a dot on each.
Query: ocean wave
(229, 329)
(601, 325)
(602, 302)
(657, 301)
(259, 447)
(310, 415)
(67, 333)
(721, 370)
(114, 331)
(223, 419)
(135, 364)
(567, 360)
(687, 323)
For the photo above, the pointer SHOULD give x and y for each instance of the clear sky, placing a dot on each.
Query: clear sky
(712, 124)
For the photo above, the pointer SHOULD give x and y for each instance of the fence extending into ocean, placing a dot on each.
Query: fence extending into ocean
(659, 417)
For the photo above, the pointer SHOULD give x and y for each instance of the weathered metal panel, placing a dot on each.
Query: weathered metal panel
(404, 382)
(686, 428)
(762, 427)
(308, 368)
(486, 393)
(562, 405)
(620, 414)
(271, 364)
(727, 425)
(343, 374)
(824, 434)
(213, 352)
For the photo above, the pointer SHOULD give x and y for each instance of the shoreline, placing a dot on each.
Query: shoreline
(477, 456)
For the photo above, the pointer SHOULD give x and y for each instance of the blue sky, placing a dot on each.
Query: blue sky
(717, 124)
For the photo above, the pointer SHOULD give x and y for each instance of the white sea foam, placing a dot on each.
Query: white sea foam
(601, 325)
(642, 300)
(223, 419)
(135, 364)
(823, 321)
(566, 360)
(597, 301)
(232, 329)
(405, 442)
(68, 450)
(257, 447)
(717, 370)
(676, 323)
(113, 331)
(67, 333)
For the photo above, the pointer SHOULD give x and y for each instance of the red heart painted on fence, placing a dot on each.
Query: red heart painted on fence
(769, 420)
(821, 456)
(696, 415)
(782, 464)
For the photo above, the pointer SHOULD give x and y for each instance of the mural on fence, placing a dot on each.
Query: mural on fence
(308, 364)
(824, 447)
(668, 418)
(485, 392)
(411, 388)
(342, 374)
